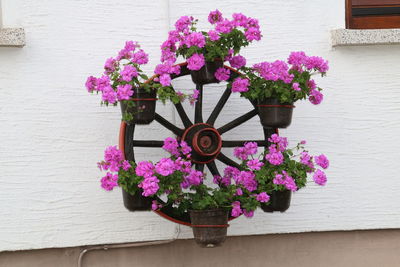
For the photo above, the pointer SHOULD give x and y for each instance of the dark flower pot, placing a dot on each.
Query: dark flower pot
(145, 106)
(209, 227)
(136, 202)
(279, 201)
(274, 114)
(206, 75)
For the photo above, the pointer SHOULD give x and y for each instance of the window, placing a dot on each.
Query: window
(372, 14)
(1, 21)
(10, 37)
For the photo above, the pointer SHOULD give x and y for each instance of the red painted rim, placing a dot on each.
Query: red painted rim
(121, 141)
(165, 216)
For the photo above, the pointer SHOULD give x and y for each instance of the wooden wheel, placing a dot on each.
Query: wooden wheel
(206, 140)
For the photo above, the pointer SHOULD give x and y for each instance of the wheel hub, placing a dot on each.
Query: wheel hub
(205, 142)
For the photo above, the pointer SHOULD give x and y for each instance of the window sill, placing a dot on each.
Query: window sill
(12, 37)
(346, 37)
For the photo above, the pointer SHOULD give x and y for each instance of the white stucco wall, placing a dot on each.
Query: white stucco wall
(53, 132)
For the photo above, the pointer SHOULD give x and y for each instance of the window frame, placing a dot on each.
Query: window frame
(388, 21)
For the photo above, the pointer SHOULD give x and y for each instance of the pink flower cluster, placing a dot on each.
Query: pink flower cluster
(113, 162)
(164, 71)
(240, 85)
(301, 62)
(319, 176)
(298, 60)
(315, 97)
(120, 88)
(184, 36)
(254, 164)
(150, 182)
(194, 177)
(167, 166)
(307, 159)
(237, 210)
(176, 149)
(237, 61)
(149, 185)
(263, 197)
(275, 156)
(249, 148)
(109, 181)
(281, 71)
(244, 178)
(286, 180)
(128, 73)
(224, 26)
(196, 61)
(279, 144)
(274, 71)
(222, 74)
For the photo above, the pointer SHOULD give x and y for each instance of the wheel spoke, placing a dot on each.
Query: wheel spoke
(221, 157)
(213, 168)
(267, 134)
(147, 143)
(128, 142)
(168, 125)
(183, 71)
(236, 122)
(221, 103)
(199, 167)
(236, 143)
(182, 114)
(198, 112)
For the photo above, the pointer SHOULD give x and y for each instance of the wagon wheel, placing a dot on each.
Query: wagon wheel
(206, 140)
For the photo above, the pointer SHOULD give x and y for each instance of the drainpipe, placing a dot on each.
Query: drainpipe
(128, 245)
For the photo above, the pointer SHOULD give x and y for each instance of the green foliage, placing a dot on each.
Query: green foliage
(165, 93)
(128, 180)
(293, 167)
(217, 49)
(261, 89)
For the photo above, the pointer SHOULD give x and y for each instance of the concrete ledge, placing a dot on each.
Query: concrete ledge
(344, 37)
(327, 249)
(12, 37)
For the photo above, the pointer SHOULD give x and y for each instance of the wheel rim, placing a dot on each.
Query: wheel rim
(127, 141)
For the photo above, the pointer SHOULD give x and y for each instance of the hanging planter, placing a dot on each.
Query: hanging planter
(141, 108)
(279, 201)
(274, 114)
(206, 74)
(273, 87)
(209, 226)
(124, 82)
(136, 202)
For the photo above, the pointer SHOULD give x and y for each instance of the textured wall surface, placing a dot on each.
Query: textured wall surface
(53, 132)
